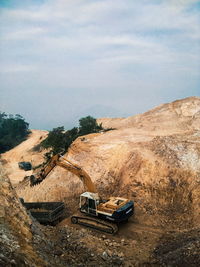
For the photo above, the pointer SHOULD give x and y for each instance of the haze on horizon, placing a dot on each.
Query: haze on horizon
(62, 60)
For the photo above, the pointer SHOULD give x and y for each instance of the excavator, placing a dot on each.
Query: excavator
(103, 215)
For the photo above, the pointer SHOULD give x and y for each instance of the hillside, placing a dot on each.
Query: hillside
(26, 243)
(26, 151)
(167, 118)
(16, 247)
(152, 158)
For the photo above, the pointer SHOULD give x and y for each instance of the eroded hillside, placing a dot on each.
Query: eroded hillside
(26, 243)
(152, 158)
(167, 118)
(28, 150)
(15, 229)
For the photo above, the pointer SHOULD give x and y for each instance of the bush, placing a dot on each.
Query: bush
(88, 125)
(55, 140)
(13, 130)
(60, 140)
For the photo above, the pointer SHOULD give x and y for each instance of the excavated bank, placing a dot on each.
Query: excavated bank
(152, 158)
(156, 166)
(16, 247)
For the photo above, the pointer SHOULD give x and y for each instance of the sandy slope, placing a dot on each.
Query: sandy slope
(153, 159)
(167, 118)
(23, 152)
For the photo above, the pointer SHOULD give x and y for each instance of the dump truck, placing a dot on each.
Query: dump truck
(45, 212)
(25, 165)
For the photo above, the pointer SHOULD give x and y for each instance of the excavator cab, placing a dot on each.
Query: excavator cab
(89, 202)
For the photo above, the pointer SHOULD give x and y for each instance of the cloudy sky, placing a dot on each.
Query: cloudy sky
(64, 59)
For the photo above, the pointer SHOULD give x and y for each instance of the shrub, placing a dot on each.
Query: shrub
(13, 130)
(88, 125)
(60, 140)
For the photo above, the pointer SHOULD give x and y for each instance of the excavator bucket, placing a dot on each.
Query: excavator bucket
(33, 180)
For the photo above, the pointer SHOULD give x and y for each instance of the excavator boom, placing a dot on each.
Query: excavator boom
(75, 169)
(59, 160)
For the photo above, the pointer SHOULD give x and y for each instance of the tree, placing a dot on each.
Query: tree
(55, 140)
(13, 130)
(60, 140)
(88, 125)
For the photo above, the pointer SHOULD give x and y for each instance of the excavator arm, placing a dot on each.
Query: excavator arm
(59, 160)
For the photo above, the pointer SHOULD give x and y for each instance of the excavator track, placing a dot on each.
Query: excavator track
(95, 223)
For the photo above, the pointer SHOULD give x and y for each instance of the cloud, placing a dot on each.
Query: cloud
(16, 68)
(113, 52)
(25, 34)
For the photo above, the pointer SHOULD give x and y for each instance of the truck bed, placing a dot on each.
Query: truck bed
(45, 212)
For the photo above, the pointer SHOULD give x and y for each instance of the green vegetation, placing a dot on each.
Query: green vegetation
(13, 130)
(59, 140)
(88, 125)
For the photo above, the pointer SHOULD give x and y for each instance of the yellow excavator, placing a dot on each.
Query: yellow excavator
(104, 215)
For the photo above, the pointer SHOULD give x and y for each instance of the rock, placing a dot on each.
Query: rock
(106, 243)
(115, 244)
(116, 261)
(13, 262)
(104, 255)
(133, 242)
(57, 252)
(120, 255)
(109, 252)
(2, 212)
(35, 229)
(3, 258)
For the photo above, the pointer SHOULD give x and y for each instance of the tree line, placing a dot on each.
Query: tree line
(13, 130)
(59, 140)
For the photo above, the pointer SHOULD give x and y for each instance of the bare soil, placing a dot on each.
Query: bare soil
(153, 159)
